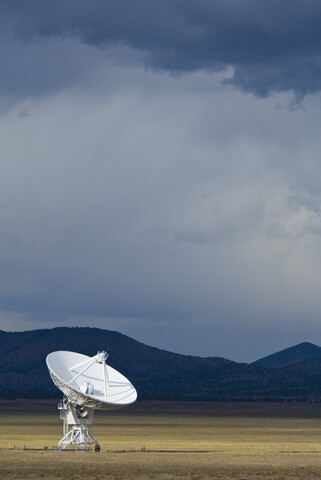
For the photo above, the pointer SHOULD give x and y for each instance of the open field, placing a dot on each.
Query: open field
(167, 440)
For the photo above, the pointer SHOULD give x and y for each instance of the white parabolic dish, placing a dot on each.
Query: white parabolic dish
(89, 382)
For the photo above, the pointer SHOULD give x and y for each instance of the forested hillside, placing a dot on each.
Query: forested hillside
(156, 374)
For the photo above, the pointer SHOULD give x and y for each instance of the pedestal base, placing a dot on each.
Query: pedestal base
(75, 426)
(78, 435)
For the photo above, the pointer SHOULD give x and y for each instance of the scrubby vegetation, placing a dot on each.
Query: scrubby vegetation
(167, 441)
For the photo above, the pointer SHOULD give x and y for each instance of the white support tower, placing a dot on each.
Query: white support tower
(75, 426)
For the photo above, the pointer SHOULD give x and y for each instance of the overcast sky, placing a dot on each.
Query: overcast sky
(160, 171)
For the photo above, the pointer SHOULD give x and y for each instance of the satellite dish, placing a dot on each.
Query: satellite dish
(88, 383)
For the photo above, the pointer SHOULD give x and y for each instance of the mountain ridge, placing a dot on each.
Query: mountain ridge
(290, 356)
(156, 373)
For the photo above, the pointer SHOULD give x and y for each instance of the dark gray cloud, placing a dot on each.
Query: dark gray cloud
(271, 46)
(141, 193)
(172, 211)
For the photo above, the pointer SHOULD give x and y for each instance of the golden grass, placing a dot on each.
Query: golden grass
(181, 444)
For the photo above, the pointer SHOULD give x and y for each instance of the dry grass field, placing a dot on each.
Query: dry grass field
(195, 441)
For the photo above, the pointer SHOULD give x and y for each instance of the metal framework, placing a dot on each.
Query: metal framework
(77, 410)
(75, 426)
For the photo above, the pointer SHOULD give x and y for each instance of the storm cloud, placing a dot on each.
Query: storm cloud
(270, 46)
(156, 175)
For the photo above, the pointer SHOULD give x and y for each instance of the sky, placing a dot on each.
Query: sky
(160, 171)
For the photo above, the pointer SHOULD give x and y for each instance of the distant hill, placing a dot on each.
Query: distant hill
(157, 374)
(310, 367)
(290, 356)
(218, 361)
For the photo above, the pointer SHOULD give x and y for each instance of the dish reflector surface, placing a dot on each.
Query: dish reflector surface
(88, 381)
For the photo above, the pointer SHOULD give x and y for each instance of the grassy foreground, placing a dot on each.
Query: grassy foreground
(167, 441)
